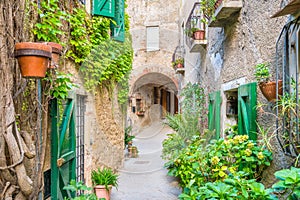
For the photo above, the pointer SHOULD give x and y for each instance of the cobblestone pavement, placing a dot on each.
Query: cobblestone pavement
(144, 178)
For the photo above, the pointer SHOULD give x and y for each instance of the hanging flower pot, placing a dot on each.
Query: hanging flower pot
(268, 89)
(33, 58)
(199, 35)
(56, 53)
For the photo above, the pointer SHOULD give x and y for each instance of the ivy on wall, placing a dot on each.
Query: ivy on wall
(88, 43)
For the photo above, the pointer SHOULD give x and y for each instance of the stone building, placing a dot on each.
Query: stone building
(239, 35)
(92, 134)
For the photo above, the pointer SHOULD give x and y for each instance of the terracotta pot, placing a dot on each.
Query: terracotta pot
(56, 53)
(268, 89)
(132, 152)
(179, 65)
(33, 58)
(102, 192)
(199, 35)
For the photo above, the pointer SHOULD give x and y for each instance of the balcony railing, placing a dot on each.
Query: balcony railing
(226, 12)
(196, 29)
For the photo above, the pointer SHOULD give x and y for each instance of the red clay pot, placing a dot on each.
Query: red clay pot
(268, 89)
(199, 35)
(179, 65)
(56, 53)
(102, 192)
(33, 58)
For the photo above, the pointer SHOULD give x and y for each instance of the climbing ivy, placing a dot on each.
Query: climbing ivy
(51, 17)
(103, 60)
(109, 62)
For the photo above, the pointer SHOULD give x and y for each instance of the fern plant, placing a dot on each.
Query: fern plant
(104, 177)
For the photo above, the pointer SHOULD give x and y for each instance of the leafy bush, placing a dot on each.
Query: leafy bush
(79, 186)
(289, 183)
(187, 124)
(198, 164)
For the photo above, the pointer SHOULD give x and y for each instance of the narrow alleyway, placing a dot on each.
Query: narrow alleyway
(144, 178)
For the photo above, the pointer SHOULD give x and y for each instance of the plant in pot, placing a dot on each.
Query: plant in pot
(267, 87)
(178, 63)
(196, 33)
(33, 58)
(103, 181)
(208, 8)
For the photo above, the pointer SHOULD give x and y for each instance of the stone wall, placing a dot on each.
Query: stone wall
(104, 128)
(152, 68)
(229, 58)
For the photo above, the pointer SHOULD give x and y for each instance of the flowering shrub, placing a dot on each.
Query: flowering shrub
(197, 164)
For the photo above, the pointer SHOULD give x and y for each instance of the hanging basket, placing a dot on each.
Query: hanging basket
(33, 58)
(56, 53)
(268, 89)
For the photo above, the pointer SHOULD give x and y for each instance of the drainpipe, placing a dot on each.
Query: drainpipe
(39, 128)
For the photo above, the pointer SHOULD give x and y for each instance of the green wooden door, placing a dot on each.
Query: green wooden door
(247, 110)
(214, 112)
(63, 155)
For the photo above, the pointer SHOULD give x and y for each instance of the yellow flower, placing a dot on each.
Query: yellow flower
(250, 145)
(236, 139)
(245, 137)
(226, 142)
(260, 155)
(248, 152)
(232, 169)
(215, 160)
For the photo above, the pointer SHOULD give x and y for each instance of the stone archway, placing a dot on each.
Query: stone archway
(152, 96)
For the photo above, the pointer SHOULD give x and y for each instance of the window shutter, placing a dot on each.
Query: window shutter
(153, 38)
(214, 113)
(118, 29)
(247, 110)
(104, 8)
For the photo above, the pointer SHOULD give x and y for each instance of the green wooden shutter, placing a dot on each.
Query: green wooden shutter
(214, 113)
(63, 154)
(104, 8)
(118, 28)
(247, 110)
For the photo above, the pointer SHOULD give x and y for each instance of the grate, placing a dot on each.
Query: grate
(140, 162)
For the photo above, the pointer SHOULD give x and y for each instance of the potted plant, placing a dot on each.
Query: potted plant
(128, 138)
(267, 87)
(56, 53)
(208, 8)
(178, 63)
(103, 181)
(33, 58)
(196, 33)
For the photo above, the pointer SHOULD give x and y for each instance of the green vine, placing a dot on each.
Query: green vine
(104, 61)
(51, 17)
(109, 62)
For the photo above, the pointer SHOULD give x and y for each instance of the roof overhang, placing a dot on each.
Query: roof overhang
(290, 8)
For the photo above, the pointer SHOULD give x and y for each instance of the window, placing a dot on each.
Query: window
(152, 38)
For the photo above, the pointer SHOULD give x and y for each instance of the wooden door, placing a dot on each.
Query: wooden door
(63, 154)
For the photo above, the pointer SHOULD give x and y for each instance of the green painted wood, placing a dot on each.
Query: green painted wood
(104, 8)
(63, 144)
(214, 113)
(247, 101)
(118, 28)
(54, 148)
